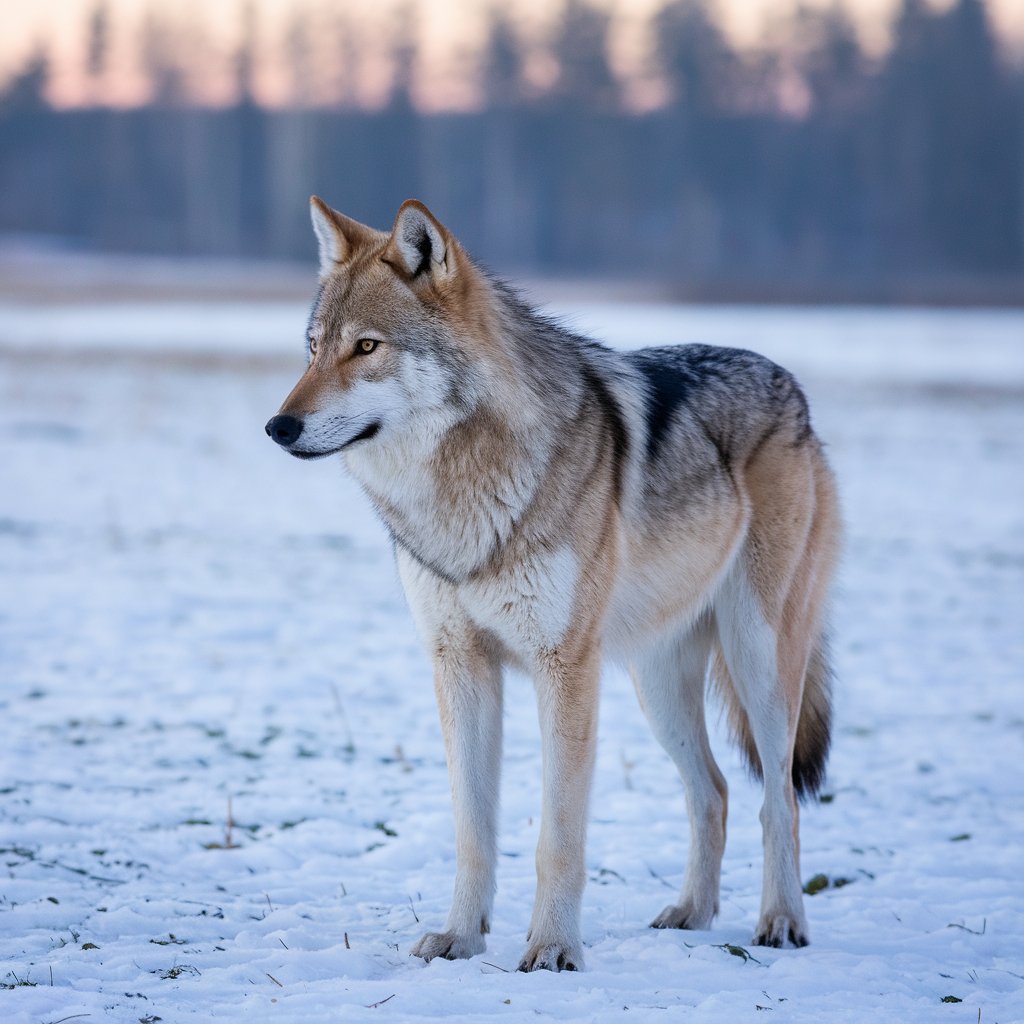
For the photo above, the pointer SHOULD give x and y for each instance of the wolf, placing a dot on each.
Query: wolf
(553, 503)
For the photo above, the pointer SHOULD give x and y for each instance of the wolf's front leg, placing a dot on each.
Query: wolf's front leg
(467, 680)
(567, 701)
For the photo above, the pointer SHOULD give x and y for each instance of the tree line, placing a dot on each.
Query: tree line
(806, 163)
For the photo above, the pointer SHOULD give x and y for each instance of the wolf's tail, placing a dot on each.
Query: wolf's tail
(814, 726)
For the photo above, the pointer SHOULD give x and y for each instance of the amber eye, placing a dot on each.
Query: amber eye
(312, 346)
(365, 346)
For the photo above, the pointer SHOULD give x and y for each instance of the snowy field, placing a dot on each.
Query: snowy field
(190, 621)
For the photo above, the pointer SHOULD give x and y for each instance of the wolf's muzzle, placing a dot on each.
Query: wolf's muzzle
(285, 430)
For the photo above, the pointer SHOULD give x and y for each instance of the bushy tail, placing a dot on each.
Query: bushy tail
(814, 727)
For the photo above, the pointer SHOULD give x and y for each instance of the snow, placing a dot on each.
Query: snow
(188, 618)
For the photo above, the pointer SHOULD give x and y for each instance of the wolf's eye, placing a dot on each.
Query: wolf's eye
(312, 346)
(364, 346)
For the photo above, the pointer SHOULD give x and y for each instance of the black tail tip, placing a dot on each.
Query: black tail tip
(810, 758)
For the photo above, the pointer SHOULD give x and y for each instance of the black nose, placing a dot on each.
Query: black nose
(284, 430)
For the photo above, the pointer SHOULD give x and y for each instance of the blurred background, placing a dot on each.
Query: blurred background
(755, 150)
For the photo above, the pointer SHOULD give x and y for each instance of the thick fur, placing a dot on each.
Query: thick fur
(554, 503)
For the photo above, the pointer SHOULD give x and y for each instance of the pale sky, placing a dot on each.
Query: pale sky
(448, 30)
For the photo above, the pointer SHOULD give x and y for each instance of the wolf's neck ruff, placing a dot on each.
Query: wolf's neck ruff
(449, 522)
(454, 493)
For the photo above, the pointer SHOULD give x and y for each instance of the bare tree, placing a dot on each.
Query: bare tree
(97, 46)
(580, 47)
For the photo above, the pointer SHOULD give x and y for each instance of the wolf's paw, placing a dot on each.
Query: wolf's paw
(552, 956)
(776, 929)
(449, 945)
(687, 914)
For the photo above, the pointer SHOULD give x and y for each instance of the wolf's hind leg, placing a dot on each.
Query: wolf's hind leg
(773, 667)
(669, 681)
(468, 683)
(770, 704)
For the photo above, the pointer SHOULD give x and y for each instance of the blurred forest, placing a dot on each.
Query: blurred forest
(806, 164)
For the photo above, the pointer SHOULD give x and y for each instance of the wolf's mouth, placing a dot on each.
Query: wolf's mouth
(364, 435)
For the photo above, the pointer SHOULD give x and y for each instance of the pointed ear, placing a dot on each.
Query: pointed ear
(420, 244)
(338, 236)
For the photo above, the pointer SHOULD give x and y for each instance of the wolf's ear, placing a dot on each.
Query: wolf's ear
(338, 236)
(420, 244)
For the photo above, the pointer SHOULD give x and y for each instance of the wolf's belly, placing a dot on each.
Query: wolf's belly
(666, 582)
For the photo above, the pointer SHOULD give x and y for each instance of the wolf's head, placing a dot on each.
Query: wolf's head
(393, 339)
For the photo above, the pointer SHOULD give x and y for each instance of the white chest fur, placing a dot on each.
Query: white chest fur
(528, 607)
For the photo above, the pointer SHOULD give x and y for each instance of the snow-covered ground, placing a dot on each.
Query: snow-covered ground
(191, 621)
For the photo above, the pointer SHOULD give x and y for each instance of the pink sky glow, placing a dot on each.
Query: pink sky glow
(449, 32)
